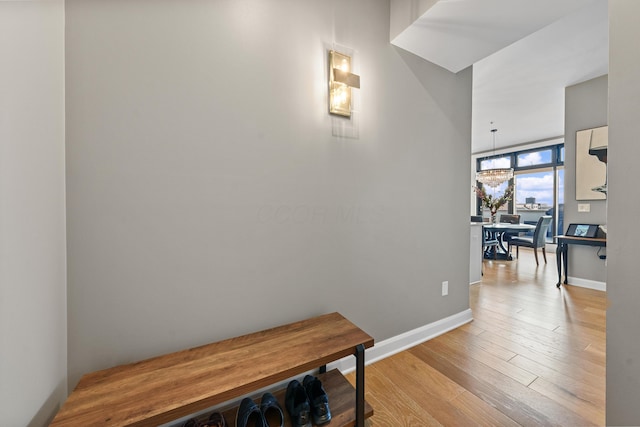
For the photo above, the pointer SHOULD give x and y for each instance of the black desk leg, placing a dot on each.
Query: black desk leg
(359, 385)
(565, 256)
(562, 255)
(559, 263)
(323, 369)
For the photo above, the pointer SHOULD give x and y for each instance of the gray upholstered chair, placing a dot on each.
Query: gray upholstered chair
(509, 219)
(537, 241)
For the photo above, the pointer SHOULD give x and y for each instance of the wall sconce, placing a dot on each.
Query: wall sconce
(341, 80)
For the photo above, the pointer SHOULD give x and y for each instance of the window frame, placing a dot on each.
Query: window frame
(555, 163)
(555, 157)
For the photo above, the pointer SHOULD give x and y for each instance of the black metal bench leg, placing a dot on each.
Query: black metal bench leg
(359, 385)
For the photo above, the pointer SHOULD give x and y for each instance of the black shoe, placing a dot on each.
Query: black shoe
(249, 414)
(192, 422)
(271, 411)
(319, 400)
(297, 404)
(217, 420)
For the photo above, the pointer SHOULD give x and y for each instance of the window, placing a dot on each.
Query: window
(496, 163)
(534, 158)
(559, 218)
(535, 196)
(535, 190)
(538, 182)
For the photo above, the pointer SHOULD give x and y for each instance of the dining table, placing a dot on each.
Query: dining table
(498, 231)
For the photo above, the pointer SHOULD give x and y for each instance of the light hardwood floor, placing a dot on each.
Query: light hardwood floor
(534, 355)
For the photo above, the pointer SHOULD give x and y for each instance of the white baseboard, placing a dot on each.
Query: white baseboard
(586, 283)
(404, 341)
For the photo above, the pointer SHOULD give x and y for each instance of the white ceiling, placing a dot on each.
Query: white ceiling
(524, 53)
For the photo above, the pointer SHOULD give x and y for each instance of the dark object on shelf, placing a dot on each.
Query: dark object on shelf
(216, 420)
(298, 406)
(271, 410)
(249, 414)
(319, 400)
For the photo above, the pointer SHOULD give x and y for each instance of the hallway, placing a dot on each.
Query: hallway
(534, 355)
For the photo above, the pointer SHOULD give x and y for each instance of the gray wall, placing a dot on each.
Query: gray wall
(623, 316)
(33, 346)
(207, 197)
(405, 12)
(585, 107)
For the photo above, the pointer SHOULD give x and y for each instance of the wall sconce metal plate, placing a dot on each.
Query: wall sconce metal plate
(341, 80)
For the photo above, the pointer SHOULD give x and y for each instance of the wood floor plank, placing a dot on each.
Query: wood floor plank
(572, 367)
(533, 356)
(554, 353)
(471, 328)
(569, 400)
(434, 397)
(475, 343)
(556, 308)
(492, 361)
(571, 330)
(597, 349)
(413, 374)
(508, 396)
(576, 386)
(538, 338)
(394, 406)
(408, 399)
(482, 413)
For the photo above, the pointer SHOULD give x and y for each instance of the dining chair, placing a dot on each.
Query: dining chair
(489, 240)
(509, 219)
(537, 241)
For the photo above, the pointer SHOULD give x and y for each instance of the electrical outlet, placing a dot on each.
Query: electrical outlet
(584, 207)
(445, 288)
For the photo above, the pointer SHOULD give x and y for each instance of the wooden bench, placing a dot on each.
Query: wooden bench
(168, 387)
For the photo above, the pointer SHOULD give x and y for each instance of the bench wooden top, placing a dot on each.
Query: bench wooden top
(165, 388)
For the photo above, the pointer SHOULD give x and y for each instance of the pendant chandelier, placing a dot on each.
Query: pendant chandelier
(495, 176)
